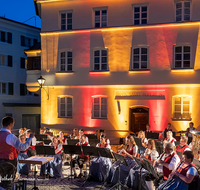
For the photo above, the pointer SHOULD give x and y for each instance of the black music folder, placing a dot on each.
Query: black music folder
(72, 141)
(152, 135)
(104, 152)
(72, 149)
(45, 150)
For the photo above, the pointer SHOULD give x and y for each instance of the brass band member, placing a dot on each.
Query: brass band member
(80, 159)
(143, 139)
(62, 139)
(184, 175)
(8, 154)
(189, 129)
(75, 134)
(170, 138)
(81, 132)
(167, 161)
(183, 146)
(148, 127)
(21, 130)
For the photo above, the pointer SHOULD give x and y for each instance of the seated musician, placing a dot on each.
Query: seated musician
(144, 140)
(81, 132)
(62, 139)
(184, 176)
(128, 151)
(53, 168)
(183, 146)
(150, 153)
(75, 134)
(167, 161)
(170, 138)
(42, 131)
(189, 129)
(166, 130)
(147, 130)
(80, 159)
(22, 169)
(33, 142)
(104, 133)
(100, 166)
(21, 131)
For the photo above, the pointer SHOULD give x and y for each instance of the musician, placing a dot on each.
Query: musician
(144, 140)
(8, 154)
(75, 134)
(104, 133)
(21, 130)
(81, 132)
(167, 161)
(80, 159)
(128, 151)
(184, 175)
(100, 166)
(147, 130)
(62, 139)
(189, 129)
(53, 168)
(183, 146)
(42, 131)
(150, 153)
(166, 130)
(33, 142)
(22, 169)
(170, 138)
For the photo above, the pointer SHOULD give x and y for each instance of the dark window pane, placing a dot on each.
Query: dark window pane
(104, 67)
(137, 15)
(186, 48)
(178, 49)
(186, 64)
(4, 88)
(144, 9)
(143, 65)
(186, 56)
(136, 58)
(96, 113)
(9, 38)
(104, 53)
(97, 19)
(96, 66)
(144, 15)
(136, 22)
(104, 24)
(178, 18)
(178, 5)
(97, 13)
(104, 60)
(3, 36)
(69, 61)
(96, 60)
(104, 12)
(178, 12)
(69, 27)
(69, 54)
(177, 64)
(22, 65)
(104, 18)
(97, 53)
(63, 15)
(186, 17)
(137, 9)
(97, 25)
(96, 107)
(62, 68)
(10, 89)
(143, 50)
(136, 51)
(10, 61)
(96, 100)
(103, 100)
(69, 113)
(69, 21)
(136, 65)
(144, 21)
(178, 57)
(63, 27)
(69, 67)
(144, 58)
(69, 15)
(69, 100)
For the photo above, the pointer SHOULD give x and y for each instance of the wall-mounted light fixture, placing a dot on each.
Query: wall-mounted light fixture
(41, 82)
(119, 108)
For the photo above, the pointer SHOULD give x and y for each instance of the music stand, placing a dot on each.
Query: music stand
(72, 149)
(197, 164)
(91, 151)
(40, 137)
(180, 154)
(45, 150)
(47, 142)
(138, 141)
(72, 141)
(152, 135)
(159, 146)
(120, 159)
(91, 136)
(94, 142)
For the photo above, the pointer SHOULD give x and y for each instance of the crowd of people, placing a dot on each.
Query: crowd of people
(172, 171)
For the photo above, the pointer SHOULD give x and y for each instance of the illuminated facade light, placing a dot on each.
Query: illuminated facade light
(139, 72)
(182, 70)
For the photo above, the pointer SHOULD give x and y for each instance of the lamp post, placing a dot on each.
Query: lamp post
(41, 82)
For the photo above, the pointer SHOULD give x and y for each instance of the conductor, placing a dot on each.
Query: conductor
(8, 154)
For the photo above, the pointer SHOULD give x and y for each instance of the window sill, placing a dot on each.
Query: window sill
(174, 119)
(64, 73)
(66, 117)
(100, 72)
(182, 70)
(140, 71)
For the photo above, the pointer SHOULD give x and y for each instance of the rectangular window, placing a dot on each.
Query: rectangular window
(2, 88)
(2, 60)
(65, 61)
(23, 90)
(3, 36)
(100, 18)
(182, 57)
(10, 61)
(100, 60)
(10, 88)
(182, 107)
(140, 58)
(22, 63)
(66, 21)
(9, 38)
(99, 107)
(25, 41)
(65, 107)
(182, 11)
(140, 15)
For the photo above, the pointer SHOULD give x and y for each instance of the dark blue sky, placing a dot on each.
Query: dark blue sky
(19, 10)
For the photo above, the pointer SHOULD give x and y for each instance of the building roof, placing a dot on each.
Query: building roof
(19, 23)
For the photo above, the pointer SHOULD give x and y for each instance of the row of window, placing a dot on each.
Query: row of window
(181, 107)
(140, 61)
(7, 60)
(8, 89)
(140, 15)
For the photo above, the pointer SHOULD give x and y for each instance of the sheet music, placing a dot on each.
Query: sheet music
(41, 159)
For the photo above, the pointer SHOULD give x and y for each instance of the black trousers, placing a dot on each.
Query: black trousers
(8, 170)
(80, 161)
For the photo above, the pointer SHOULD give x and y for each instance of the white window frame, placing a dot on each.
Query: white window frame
(140, 55)
(100, 104)
(100, 59)
(66, 60)
(5, 60)
(6, 86)
(182, 56)
(59, 107)
(66, 20)
(140, 5)
(190, 107)
(101, 9)
(182, 12)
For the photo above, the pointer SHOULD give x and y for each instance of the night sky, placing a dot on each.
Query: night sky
(19, 10)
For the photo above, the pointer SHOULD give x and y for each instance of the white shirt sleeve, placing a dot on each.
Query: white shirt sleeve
(15, 142)
(187, 149)
(147, 152)
(108, 141)
(174, 162)
(65, 142)
(192, 171)
(145, 140)
(135, 149)
(59, 147)
(108, 146)
(154, 155)
(98, 145)
(34, 141)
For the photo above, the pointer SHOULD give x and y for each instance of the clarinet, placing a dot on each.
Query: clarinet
(123, 148)
(173, 176)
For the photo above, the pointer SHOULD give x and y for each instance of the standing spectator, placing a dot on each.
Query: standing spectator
(189, 129)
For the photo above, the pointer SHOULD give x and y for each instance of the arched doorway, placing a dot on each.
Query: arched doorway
(139, 117)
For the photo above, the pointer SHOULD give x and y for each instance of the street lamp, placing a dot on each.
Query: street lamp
(41, 82)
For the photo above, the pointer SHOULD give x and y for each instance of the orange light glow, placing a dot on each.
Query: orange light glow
(182, 70)
(100, 73)
(64, 73)
(140, 72)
